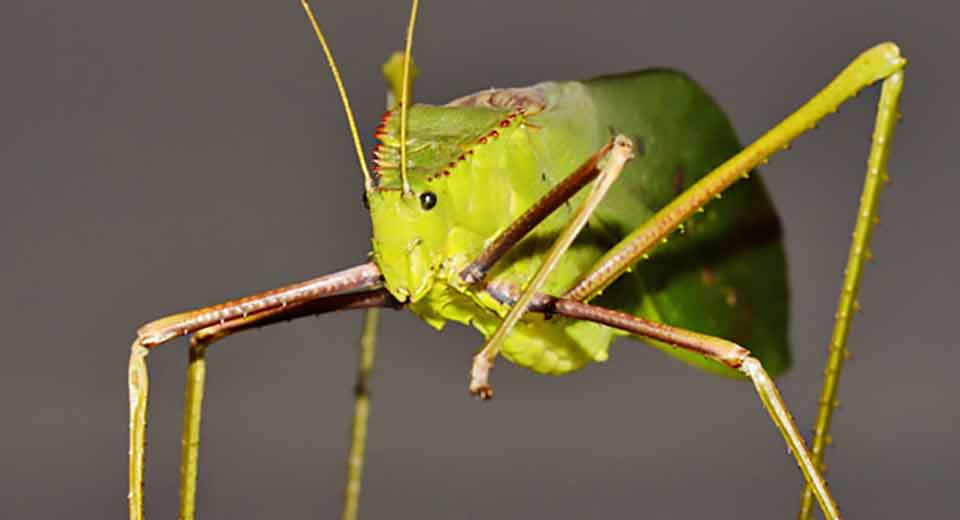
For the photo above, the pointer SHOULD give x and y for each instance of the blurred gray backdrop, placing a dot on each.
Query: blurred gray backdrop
(159, 156)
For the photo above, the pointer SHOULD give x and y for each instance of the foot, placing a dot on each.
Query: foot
(479, 376)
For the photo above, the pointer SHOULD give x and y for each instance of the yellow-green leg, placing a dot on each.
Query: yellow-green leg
(881, 63)
(361, 414)
(878, 63)
(859, 254)
(196, 374)
(193, 408)
(138, 384)
(192, 412)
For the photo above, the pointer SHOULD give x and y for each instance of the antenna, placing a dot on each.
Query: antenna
(367, 179)
(405, 96)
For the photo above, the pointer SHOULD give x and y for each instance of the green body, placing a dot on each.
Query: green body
(488, 157)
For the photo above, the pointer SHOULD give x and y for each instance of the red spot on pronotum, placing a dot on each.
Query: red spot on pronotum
(446, 173)
(451, 164)
(505, 123)
(462, 157)
(482, 140)
(469, 152)
(493, 134)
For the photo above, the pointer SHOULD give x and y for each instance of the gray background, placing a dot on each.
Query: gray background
(158, 156)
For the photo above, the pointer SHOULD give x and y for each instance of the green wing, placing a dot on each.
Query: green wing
(725, 274)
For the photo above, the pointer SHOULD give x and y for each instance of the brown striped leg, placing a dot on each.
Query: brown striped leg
(306, 298)
(196, 373)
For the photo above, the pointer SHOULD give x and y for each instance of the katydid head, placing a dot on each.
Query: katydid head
(411, 230)
(461, 163)
(409, 236)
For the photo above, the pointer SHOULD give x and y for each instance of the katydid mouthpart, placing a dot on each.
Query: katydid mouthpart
(480, 216)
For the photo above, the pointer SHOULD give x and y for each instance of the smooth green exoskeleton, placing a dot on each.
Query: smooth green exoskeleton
(478, 217)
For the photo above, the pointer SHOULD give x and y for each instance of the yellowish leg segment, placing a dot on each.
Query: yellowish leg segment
(882, 62)
(196, 373)
(859, 254)
(193, 405)
(192, 412)
(361, 414)
(138, 383)
(877, 63)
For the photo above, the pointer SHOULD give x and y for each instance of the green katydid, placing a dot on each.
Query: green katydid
(471, 204)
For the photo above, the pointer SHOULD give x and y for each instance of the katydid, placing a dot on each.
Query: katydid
(480, 216)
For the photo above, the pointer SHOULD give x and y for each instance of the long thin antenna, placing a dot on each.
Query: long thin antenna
(405, 96)
(367, 179)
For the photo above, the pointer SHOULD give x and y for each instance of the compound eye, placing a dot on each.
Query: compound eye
(428, 200)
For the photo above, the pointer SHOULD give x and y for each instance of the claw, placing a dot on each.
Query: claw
(483, 392)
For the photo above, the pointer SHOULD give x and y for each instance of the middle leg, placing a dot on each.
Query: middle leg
(723, 351)
(196, 376)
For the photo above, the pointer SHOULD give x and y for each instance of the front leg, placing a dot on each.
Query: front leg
(316, 296)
